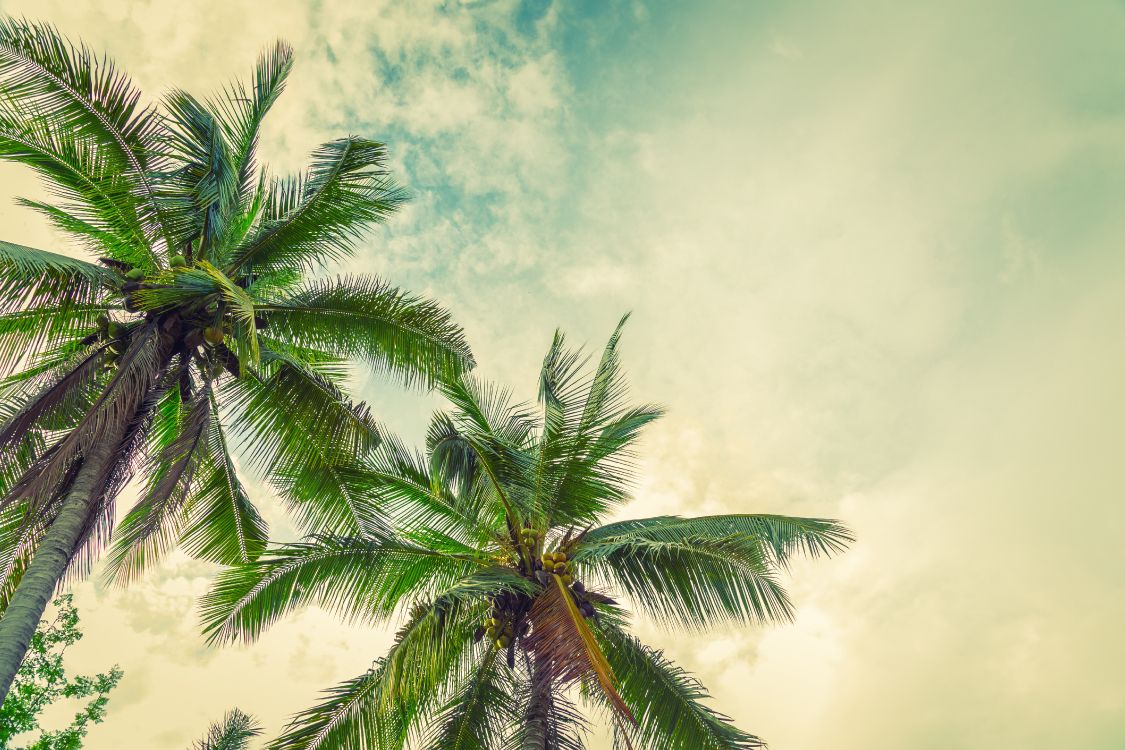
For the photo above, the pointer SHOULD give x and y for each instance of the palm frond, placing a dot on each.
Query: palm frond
(688, 575)
(308, 439)
(28, 333)
(318, 218)
(475, 716)
(242, 111)
(225, 527)
(233, 732)
(377, 710)
(584, 459)
(564, 647)
(357, 578)
(74, 90)
(30, 277)
(206, 171)
(364, 318)
(98, 206)
(667, 701)
(780, 536)
(161, 514)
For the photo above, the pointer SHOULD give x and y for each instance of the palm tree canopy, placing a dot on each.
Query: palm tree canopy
(493, 548)
(193, 328)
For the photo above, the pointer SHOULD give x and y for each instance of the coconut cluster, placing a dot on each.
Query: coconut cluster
(556, 563)
(196, 327)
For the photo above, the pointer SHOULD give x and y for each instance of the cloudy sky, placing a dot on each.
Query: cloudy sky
(875, 253)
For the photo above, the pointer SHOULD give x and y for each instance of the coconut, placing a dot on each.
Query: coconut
(213, 335)
(567, 579)
(490, 632)
(135, 274)
(503, 641)
(177, 261)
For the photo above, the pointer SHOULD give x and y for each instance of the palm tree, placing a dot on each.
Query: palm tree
(493, 548)
(194, 328)
(234, 732)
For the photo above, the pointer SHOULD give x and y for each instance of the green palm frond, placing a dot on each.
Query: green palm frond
(584, 459)
(364, 318)
(780, 536)
(241, 112)
(30, 277)
(242, 313)
(476, 714)
(225, 527)
(205, 169)
(689, 578)
(667, 701)
(233, 732)
(319, 217)
(75, 90)
(307, 438)
(347, 719)
(98, 205)
(400, 484)
(26, 334)
(379, 709)
(357, 578)
(159, 518)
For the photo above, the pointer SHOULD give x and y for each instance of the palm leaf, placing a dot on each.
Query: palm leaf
(76, 91)
(365, 318)
(225, 527)
(310, 221)
(241, 112)
(159, 518)
(31, 277)
(357, 578)
(688, 577)
(308, 439)
(667, 701)
(475, 715)
(234, 732)
(565, 648)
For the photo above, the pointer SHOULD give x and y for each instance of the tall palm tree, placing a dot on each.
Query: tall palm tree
(194, 327)
(493, 548)
(233, 732)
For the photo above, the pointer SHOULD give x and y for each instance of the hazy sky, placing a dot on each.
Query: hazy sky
(875, 253)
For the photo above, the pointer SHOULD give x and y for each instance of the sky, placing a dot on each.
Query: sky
(874, 256)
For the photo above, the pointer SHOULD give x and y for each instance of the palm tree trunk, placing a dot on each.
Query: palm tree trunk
(537, 717)
(49, 563)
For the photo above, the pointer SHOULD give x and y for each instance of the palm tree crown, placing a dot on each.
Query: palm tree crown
(193, 327)
(493, 547)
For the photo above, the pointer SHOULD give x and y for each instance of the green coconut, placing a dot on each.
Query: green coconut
(213, 335)
(135, 274)
(177, 261)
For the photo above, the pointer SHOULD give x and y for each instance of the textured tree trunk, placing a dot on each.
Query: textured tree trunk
(49, 563)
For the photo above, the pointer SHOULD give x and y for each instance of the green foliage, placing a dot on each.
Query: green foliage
(493, 546)
(42, 680)
(233, 732)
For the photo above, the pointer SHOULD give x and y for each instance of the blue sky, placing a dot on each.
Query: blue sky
(874, 256)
